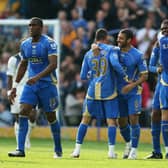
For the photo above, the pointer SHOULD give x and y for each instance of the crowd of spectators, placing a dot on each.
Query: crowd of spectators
(79, 20)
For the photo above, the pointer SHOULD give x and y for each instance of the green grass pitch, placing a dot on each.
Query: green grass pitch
(93, 155)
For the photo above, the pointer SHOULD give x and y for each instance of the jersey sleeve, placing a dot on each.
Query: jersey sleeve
(22, 53)
(85, 68)
(114, 60)
(154, 60)
(52, 48)
(11, 67)
(142, 66)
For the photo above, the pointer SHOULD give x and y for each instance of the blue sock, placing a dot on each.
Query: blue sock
(111, 135)
(156, 129)
(55, 130)
(23, 128)
(81, 133)
(164, 126)
(135, 134)
(125, 132)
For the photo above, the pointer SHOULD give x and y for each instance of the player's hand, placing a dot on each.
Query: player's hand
(32, 80)
(95, 48)
(128, 88)
(159, 69)
(12, 95)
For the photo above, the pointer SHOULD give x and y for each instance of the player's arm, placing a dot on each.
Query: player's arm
(85, 69)
(50, 68)
(114, 60)
(21, 70)
(154, 60)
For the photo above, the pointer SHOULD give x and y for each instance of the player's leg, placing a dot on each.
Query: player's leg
(164, 127)
(16, 128)
(49, 101)
(56, 133)
(164, 119)
(134, 105)
(23, 128)
(15, 109)
(82, 129)
(28, 101)
(31, 125)
(156, 126)
(111, 113)
(135, 134)
(155, 131)
(124, 125)
(125, 133)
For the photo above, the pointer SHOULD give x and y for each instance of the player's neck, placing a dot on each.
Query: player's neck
(126, 48)
(36, 38)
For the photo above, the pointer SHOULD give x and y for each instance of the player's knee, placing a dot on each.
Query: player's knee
(123, 122)
(51, 117)
(32, 116)
(25, 109)
(86, 119)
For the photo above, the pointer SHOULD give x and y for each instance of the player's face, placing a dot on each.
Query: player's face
(121, 40)
(34, 28)
(164, 29)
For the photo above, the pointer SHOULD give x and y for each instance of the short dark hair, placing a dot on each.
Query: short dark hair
(128, 33)
(39, 20)
(101, 34)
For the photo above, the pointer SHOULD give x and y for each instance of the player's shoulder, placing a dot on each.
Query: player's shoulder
(136, 52)
(47, 38)
(26, 41)
(89, 53)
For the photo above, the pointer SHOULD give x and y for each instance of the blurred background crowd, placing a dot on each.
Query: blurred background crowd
(79, 20)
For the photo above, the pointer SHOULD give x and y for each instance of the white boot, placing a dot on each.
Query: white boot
(127, 150)
(76, 152)
(133, 154)
(111, 152)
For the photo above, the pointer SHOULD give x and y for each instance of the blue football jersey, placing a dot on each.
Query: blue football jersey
(37, 55)
(133, 64)
(101, 70)
(163, 42)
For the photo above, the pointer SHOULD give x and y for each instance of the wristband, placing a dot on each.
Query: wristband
(15, 84)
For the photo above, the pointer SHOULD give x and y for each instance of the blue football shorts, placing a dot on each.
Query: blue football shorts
(155, 101)
(129, 104)
(42, 93)
(163, 97)
(101, 108)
